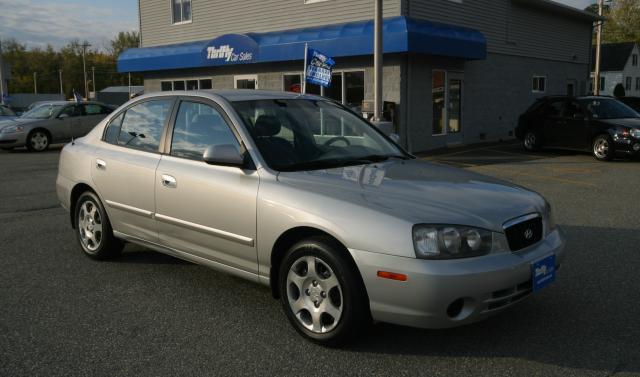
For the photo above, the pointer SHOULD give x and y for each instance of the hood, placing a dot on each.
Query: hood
(422, 192)
(625, 122)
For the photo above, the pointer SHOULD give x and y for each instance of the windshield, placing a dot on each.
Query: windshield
(608, 109)
(42, 111)
(303, 134)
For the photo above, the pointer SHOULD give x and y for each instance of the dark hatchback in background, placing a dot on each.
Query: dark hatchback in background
(602, 125)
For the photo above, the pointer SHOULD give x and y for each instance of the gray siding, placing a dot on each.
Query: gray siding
(511, 28)
(212, 18)
(495, 92)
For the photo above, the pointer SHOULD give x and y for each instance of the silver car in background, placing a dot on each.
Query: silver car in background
(300, 194)
(51, 122)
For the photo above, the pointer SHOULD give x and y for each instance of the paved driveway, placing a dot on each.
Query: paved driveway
(148, 314)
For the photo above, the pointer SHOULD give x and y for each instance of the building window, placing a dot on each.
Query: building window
(314, 1)
(178, 85)
(627, 83)
(246, 82)
(437, 102)
(192, 84)
(539, 84)
(637, 83)
(354, 90)
(634, 60)
(206, 84)
(602, 82)
(292, 83)
(180, 11)
(335, 90)
(166, 86)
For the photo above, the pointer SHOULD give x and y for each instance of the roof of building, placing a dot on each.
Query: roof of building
(400, 34)
(613, 56)
(123, 89)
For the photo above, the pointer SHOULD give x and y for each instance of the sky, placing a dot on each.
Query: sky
(56, 22)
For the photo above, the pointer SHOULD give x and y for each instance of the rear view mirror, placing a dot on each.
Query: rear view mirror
(223, 154)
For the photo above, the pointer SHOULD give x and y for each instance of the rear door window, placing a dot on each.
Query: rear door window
(142, 125)
(554, 109)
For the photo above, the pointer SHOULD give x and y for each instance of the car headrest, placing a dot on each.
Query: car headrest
(267, 125)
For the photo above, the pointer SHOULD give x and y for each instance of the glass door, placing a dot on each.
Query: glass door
(454, 107)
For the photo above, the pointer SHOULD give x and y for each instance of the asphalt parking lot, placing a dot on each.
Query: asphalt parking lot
(149, 314)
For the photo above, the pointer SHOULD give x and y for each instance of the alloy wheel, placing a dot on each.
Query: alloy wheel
(314, 294)
(601, 148)
(39, 141)
(90, 226)
(530, 140)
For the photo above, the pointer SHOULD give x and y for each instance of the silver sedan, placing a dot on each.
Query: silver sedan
(51, 122)
(302, 195)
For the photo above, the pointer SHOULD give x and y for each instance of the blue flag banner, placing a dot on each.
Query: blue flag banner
(318, 70)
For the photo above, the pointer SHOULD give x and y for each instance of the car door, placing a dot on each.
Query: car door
(575, 131)
(206, 210)
(92, 114)
(553, 122)
(124, 167)
(67, 124)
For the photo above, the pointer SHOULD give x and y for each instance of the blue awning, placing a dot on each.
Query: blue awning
(400, 35)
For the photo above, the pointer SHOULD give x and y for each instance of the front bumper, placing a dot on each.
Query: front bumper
(629, 147)
(486, 285)
(13, 139)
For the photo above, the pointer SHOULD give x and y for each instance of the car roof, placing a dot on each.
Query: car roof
(39, 103)
(548, 98)
(233, 95)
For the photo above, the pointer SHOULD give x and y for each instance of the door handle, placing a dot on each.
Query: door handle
(168, 181)
(101, 164)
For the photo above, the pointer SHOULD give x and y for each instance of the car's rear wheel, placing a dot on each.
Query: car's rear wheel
(322, 293)
(38, 141)
(603, 149)
(532, 141)
(93, 229)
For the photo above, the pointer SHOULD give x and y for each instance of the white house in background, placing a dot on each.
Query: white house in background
(619, 64)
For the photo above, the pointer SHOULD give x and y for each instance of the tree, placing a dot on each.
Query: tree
(622, 21)
(123, 41)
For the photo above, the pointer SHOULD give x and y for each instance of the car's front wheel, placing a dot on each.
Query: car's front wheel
(532, 141)
(322, 294)
(93, 229)
(603, 148)
(38, 141)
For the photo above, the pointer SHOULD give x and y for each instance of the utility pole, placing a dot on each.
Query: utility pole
(1, 77)
(377, 62)
(93, 80)
(84, 69)
(35, 82)
(596, 76)
(60, 78)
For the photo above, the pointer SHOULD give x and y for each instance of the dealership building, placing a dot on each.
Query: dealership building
(455, 71)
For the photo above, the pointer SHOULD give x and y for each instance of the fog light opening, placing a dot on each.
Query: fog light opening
(461, 308)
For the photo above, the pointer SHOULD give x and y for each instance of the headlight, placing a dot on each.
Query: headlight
(11, 129)
(635, 133)
(451, 241)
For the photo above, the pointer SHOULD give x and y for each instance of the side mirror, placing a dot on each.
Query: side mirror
(63, 116)
(223, 154)
(395, 138)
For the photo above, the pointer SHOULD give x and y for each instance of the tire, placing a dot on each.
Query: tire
(327, 304)
(532, 141)
(603, 148)
(38, 141)
(93, 229)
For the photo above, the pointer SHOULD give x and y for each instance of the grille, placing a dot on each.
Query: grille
(507, 296)
(524, 233)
